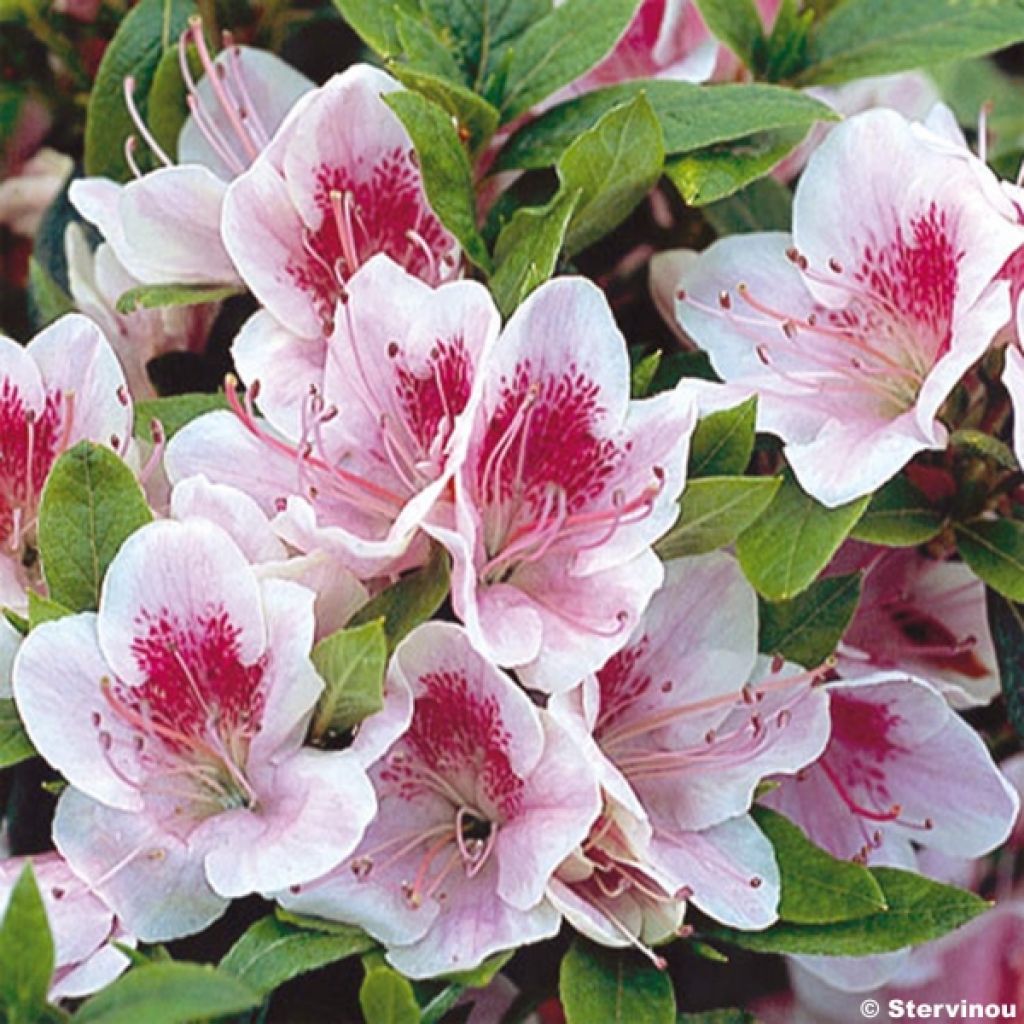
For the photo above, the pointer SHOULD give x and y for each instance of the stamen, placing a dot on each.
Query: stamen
(128, 86)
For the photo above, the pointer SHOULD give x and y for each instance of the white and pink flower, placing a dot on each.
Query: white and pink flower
(565, 486)
(355, 454)
(855, 330)
(82, 925)
(481, 798)
(177, 714)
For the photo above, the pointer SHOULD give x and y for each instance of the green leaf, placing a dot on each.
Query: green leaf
(15, 746)
(919, 910)
(994, 549)
(692, 117)
(612, 166)
(817, 888)
(602, 986)
(708, 175)
(425, 51)
(978, 444)
(793, 541)
(315, 924)
(878, 37)
(272, 952)
(47, 300)
(723, 442)
(482, 32)
(44, 609)
(167, 107)
(714, 511)
(90, 504)
(560, 47)
(174, 411)
(26, 953)
(474, 114)
(143, 36)
(1006, 620)
(168, 993)
(410, 601)
(527, 249)
(898, 516)
(482, 976)
(764, 205)
(737, 23)
(385, 997)
(642, 374)
(156, 296)
(447, 176)
(376, 21)
(785, 51)
(808, 628)
(352, 663)
(19, 622)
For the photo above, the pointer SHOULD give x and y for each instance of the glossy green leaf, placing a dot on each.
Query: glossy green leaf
(15, 746)
(642, 374)
(709, 175)
(808, 628)
(560, 47)
(817, 888)
(147, 31)
(724, 441)
(604, 986)
(376, 21)
(994, 549)
(447, 176)
(91, 503)
(410, 601)
(764, 205)
(156, 296)
(793, 541)
(1006, 621)
(385, 997)
(612, 166)
(918, 910)
(44, 609)
(898, 516)
(168, 992)
(692, 117)
(352, 663)
(528, 248)
(737, 23)
(424, 49)
(26, 954)
(879, 37)
(272, 952)
(174, 412)
(714, 511)
(167, 107)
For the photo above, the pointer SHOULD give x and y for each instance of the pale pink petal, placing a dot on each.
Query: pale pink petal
(1013, 378)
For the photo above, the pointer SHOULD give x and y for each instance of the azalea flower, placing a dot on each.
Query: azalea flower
(177, 714)
(82, 925)
(685, 725)
(884, 786)
(481, 798)
(565, 486)
(920, 616)
(339, 184)
(164, 227)
(26, 196)
(354, 456)
(854, 330)
(97, 280)
(65, 386)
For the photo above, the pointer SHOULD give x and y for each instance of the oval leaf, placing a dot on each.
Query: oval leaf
(994, 549)
(352, 663)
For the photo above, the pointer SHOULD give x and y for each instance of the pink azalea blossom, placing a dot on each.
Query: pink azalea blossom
(177, 714)
(65, 386)
(98, 280)
(854, 330)
(339, 184)
(355, 455)
(884, 784)
(480, 799)
(164, 227)
(82, 925)
(920, 616)
(565, 486)
(685, 725)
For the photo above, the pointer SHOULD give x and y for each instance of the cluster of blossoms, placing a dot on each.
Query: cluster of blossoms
(584, 735)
